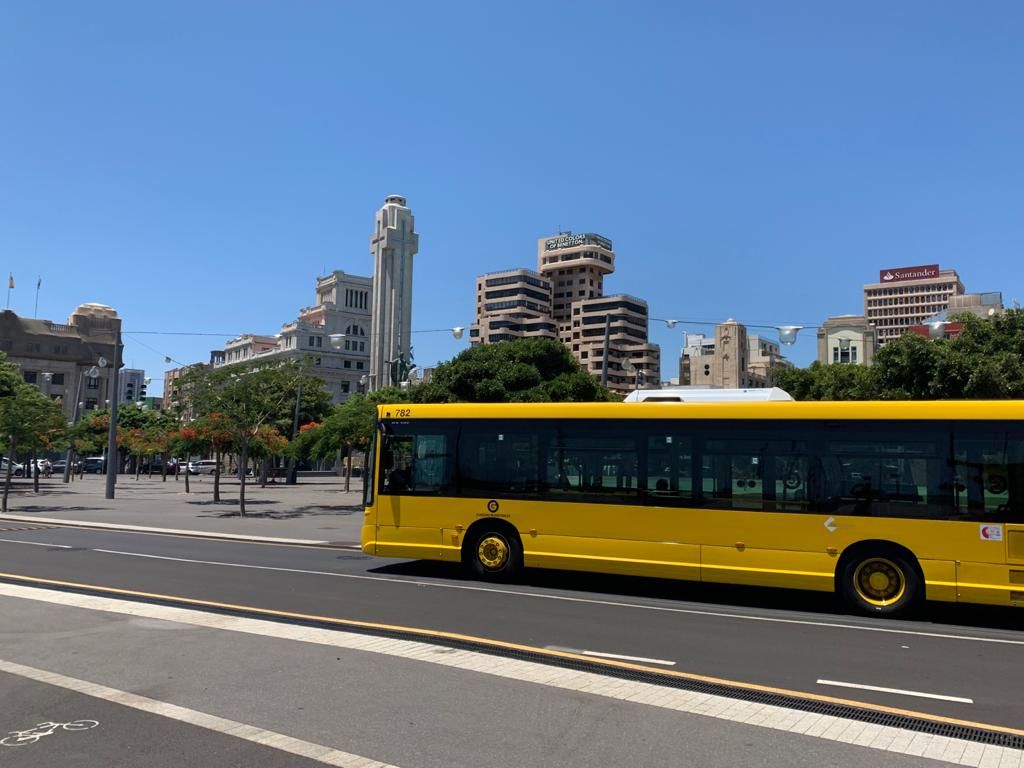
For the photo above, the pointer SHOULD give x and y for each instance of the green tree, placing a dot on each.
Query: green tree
(247, 398)
(525, 370)
(828, 382)
(986, 360)
(25, 414)
(190, 440)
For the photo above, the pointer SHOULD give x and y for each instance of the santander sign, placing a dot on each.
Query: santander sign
(908, 273)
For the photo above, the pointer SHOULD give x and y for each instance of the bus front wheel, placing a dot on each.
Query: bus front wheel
(882, 581)
(495, 554)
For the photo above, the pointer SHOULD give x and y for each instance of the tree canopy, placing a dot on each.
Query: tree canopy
(985, 361)
(520, 371)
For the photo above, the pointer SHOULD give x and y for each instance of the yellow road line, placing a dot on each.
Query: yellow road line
(509, 646)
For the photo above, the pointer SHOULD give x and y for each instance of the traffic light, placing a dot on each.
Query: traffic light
(129, 392)
(142, 390)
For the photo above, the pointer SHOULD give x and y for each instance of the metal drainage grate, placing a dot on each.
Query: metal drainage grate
(654, 677)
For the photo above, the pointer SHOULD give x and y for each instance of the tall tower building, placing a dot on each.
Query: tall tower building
(393, 244)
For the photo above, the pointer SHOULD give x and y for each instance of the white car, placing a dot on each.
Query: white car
(206, 467)
(17, 469)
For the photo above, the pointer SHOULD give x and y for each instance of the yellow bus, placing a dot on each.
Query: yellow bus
(886, 503)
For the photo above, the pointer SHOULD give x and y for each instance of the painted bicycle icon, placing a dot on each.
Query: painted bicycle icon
(34, 734)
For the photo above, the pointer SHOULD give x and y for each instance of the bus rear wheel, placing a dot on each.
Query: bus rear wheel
(880, 581)
(494, 555)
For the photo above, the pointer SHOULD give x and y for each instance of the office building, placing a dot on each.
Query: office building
(512, 304)
(906, 296)
(131, 385)
(565, 300)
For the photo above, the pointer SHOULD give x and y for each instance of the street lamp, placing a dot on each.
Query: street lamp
(90, 373)
(787, 334)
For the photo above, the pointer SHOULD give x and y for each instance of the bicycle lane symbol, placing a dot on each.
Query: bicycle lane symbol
(34, 734)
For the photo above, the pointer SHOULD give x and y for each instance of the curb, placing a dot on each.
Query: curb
(180, 532)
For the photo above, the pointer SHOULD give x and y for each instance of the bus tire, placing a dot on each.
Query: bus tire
(880, 581)
(494, 553)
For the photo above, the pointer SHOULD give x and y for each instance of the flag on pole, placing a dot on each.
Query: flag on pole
(39, 283)
(10, 281)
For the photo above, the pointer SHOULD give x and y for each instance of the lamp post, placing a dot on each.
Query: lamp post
(604, 365)
(112, 431)
(76, 410)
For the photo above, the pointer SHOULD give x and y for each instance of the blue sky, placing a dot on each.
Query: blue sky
(196, 165)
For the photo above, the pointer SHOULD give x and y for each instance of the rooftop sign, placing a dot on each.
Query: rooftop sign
(569, 240)
(925, 272)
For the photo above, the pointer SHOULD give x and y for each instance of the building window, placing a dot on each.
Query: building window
(92, 383)
(30, 377)
(853, 354)
(311, 341)
(319, 341)
(346, 364)
(57, 380)
(317, 361)
(345, 387)
(359, 365)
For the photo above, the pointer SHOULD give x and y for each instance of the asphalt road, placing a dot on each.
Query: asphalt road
(80, 731)
(404, 712)
(952, 661)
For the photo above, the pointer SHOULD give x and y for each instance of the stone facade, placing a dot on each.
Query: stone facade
(846, 339)
(343, 308)
(732, 359)
(55, 356)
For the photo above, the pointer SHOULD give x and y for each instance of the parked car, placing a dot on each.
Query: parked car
(44, 466)
(94, 465)
(60, 464)
(16, 469)
(205, 467)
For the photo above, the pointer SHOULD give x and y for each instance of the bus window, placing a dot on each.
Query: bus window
(885, 473)
(586, 465)
(757, 474)
(669, 468)
(989, 474)
(498, 459)
(416, 459)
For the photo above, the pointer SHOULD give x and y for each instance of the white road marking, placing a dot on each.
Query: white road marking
(36, 543)
(518, 672)
(602, 655)
(900, 691)
(583, 600)
(279, 741)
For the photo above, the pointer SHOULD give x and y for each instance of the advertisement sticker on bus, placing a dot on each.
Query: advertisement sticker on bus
(991, 533)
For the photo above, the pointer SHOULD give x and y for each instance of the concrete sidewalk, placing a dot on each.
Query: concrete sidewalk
(317, 511)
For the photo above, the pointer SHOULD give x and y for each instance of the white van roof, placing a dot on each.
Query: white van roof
(706, 395)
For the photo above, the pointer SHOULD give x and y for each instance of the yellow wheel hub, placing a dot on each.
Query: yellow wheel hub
(492, 551)
(879, 581)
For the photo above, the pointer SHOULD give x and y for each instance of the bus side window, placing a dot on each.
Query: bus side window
(416, 463)
(669, 468)
(989, 467)
(396, 460)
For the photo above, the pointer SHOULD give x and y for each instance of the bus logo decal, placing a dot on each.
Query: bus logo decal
(492, 506)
